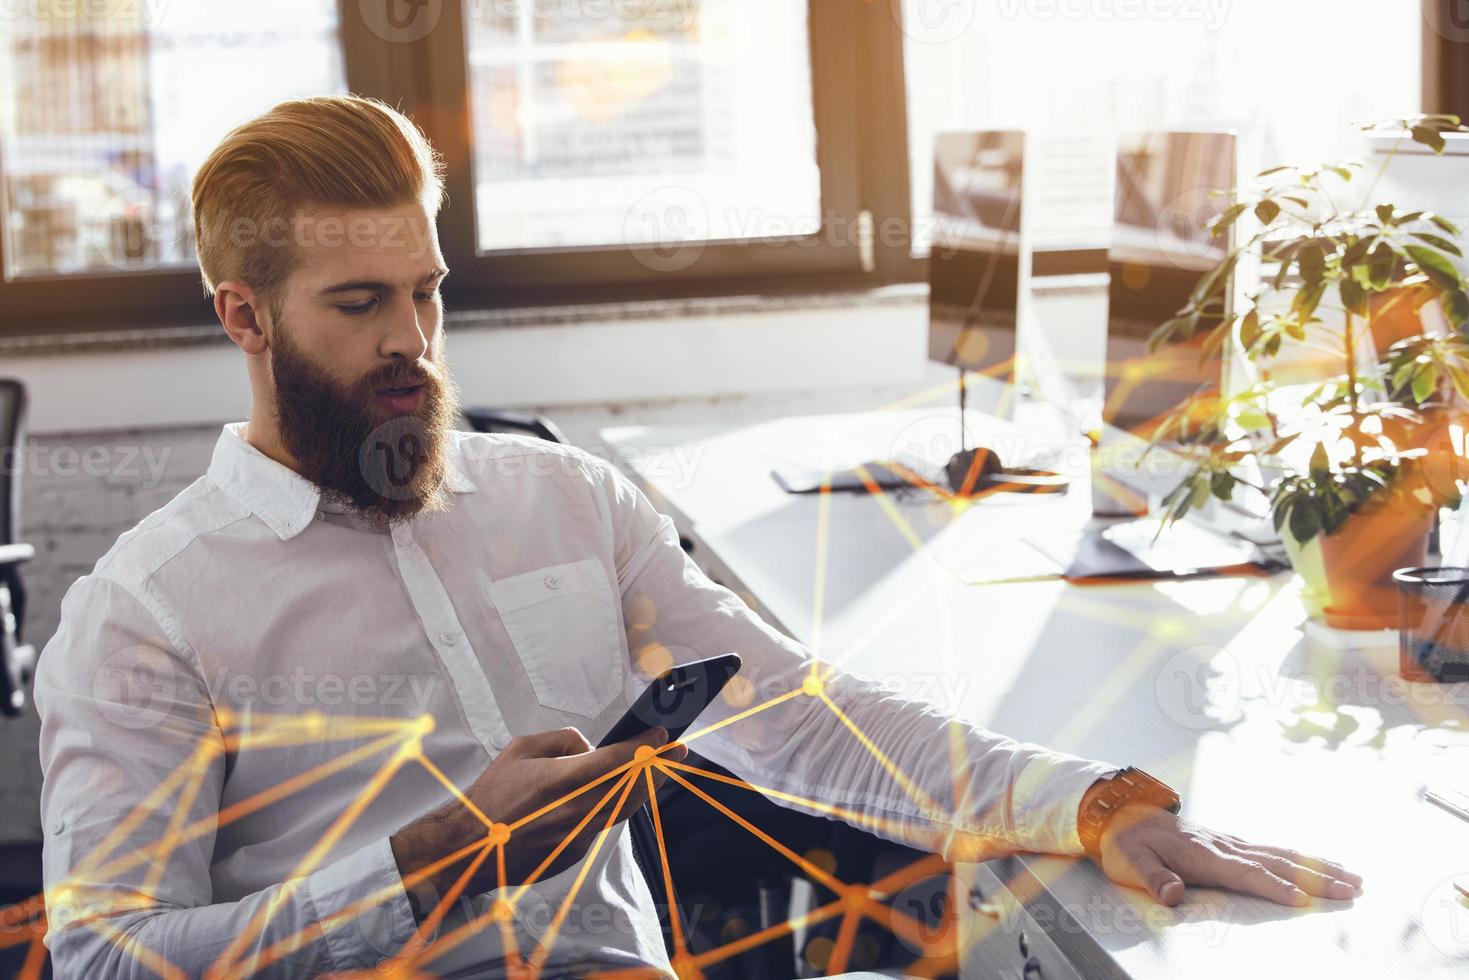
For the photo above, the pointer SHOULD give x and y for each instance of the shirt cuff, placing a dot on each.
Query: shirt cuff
(362, 907)
(1046, 800)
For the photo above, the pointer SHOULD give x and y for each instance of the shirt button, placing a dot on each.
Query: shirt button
(448, 637)
(58, 826)
(553, 582)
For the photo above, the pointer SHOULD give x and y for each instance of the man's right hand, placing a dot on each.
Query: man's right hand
(532, 773)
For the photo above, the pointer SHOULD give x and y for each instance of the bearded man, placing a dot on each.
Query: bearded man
(358, 666)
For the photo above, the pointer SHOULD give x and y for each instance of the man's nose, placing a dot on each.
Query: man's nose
(408, 334)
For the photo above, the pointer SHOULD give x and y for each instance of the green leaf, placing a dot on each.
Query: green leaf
(1200, 494)
(1304, 520)
(1320, 461)
(1267, 211)
(1354, 297)
(1272, 171)
(1253, 419)
(1442, 244)
(1249, 330)
(1312, 261)
(1380, 265)
(1429, 137)
(1460, 378)
(1226, 218)
(1437, 267)
(1403, 375)
(1306, 302)
(1443, 223)
(1424, 383)
(1385, 213)
(1456, 305)
(1222, 485)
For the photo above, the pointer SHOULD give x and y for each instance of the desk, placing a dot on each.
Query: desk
(1270, 730)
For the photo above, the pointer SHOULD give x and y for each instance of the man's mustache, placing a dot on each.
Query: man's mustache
(404, 377)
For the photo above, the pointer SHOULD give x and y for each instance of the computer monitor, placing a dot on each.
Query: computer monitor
(1169, 186)
(974, 266)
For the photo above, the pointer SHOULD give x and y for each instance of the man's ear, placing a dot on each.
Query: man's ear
(240, 311)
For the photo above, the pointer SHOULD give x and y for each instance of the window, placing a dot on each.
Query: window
(106, 111)
(606, 149)
(675, 119)
(1279, 71)
(644, 148)
(596, 149)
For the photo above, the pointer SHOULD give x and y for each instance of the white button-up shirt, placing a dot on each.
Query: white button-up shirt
(231, 704)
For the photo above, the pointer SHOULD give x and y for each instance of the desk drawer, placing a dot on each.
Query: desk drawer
(1001, 940)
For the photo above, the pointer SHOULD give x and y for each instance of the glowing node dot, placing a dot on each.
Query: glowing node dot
(818, 952)
(823, 859)
(643, 753)
(684, 968)
(812, 686)
(501, 911)
(498, 833)
(856, 898)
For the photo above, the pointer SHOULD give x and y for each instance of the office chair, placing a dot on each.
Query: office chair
(640, 825)
(517, 423)
(17, 660)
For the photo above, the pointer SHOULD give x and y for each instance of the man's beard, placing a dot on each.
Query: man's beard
(384, 467)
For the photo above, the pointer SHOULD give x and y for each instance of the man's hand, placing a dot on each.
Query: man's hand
(1145, 847)
(534, 772)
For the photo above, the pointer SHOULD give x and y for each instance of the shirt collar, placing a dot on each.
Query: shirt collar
(286, 501)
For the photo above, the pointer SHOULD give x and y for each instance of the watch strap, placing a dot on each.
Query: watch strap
(1127, 787)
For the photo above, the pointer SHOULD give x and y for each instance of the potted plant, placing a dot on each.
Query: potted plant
(1343, 458)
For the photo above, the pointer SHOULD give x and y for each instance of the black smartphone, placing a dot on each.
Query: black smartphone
(678, 696)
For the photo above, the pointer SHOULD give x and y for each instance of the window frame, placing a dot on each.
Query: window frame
(859, 107)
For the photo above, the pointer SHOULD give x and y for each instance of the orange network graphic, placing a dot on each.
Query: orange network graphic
(940, 947)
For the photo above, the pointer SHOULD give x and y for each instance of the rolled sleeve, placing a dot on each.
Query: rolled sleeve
(1047, 800)
(337, 893)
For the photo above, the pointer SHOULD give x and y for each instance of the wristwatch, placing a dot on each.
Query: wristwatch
(1105, 798)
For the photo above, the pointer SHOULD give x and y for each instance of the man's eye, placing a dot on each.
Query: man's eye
(358, 309)
(428, 297)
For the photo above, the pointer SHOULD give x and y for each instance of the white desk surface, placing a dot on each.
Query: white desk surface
(1270, 731)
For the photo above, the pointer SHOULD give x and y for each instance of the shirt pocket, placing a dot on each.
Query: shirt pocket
(565, 624)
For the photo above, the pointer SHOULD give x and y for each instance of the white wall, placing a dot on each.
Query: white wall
(689, 355)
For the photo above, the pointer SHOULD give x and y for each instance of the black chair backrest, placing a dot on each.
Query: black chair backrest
(518, 423)
(12, 456)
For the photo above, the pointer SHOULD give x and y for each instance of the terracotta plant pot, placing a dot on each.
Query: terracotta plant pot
(1398, 313)
(1359, 561)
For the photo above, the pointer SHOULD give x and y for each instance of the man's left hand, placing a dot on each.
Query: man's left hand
(1148, 848)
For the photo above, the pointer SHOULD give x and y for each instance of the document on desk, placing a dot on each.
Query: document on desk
(1139, 549)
